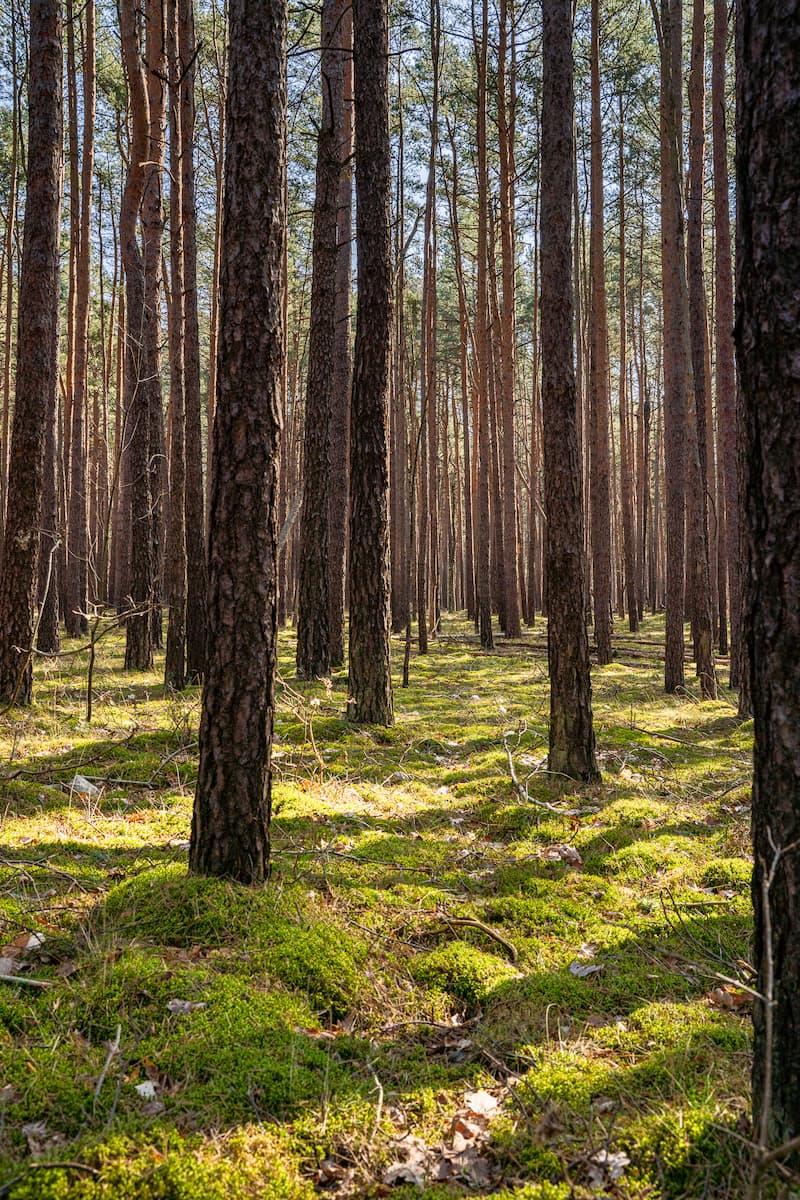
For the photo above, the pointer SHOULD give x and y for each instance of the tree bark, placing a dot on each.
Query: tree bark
(313, 636)
(37, 352)
(768, 318)
(343, 367)
(370, 674)
(572, 751)
(230, 826)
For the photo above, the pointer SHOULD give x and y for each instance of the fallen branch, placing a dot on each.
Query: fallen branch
(474, 923)
(525, 795)
(34, 983)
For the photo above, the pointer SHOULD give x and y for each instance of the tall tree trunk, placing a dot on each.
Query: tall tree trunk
(313, 638)
(139, 641)
(599, 374)
(572, 749)
(175, 559)
(77, 583)
(727, 420)
(196, 572)
(342, 367)
(626, 453)
(506, 129)
(230, 826)
(698, 463)
(370, 673)
(482, 364)
(37, 352)
(677, 363)
(768, 317)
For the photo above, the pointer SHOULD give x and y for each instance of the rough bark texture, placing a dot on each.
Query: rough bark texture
(572, 749)
(230, 827)
(138, 642)
(48, 637)
(37, 340)
(313, 633)
(768, 319)
(370, 675)
(677, 364)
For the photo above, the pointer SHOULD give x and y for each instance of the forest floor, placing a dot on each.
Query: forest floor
(442, 989)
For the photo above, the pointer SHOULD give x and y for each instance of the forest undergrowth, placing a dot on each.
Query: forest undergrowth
(444, 988)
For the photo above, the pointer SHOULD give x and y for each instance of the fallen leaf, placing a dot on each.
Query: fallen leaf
(585, 970)
(727, 999)
(606, 1166)
(563, 853)
(147, 1090)
(482, 1103)
(184, 1006)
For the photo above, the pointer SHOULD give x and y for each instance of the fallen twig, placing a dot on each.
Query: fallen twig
(474, 923)
(525, 795)
(34, 983)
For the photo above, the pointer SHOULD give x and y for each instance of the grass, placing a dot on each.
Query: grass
(202, 1040)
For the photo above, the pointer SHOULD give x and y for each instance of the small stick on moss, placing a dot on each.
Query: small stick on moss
(525, 795)
(34, 983)
(113, 1051)
(474, 923)
(379, 1109)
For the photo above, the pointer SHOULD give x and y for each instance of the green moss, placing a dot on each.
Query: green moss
(467, 974)
(730, 873)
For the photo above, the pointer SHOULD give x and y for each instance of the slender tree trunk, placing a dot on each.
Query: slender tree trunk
(482, 364)
(313, 638)
(175, 560)
(342, 368)
(230, 827)
(196, 572)
(506, 121)
(626, 453)
(698, 462)
(572, 749)
(77, 583)
(139, 642)
(599, 374)
(37, 352)
(370, 673)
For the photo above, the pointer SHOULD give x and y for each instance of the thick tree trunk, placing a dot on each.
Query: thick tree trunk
(37, 352)
(370, 673)
(768, 318)
(572, 749)
(230, 827)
